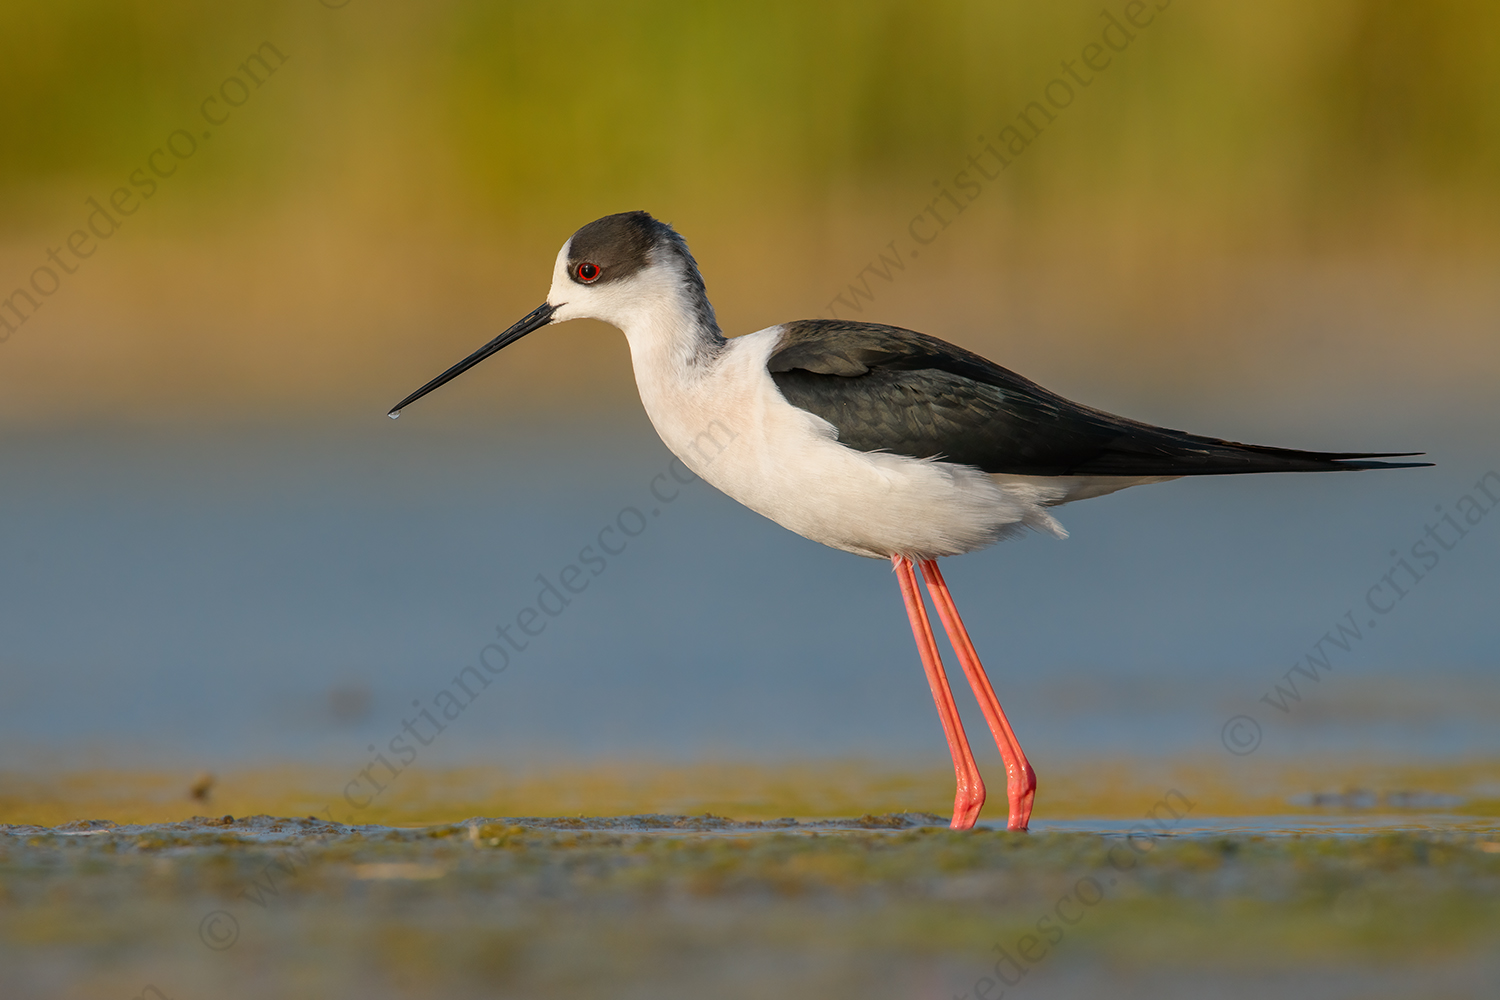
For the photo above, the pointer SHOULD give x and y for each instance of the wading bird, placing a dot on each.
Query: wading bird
(872, 439)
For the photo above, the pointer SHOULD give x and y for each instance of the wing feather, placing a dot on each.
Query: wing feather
(889, 389)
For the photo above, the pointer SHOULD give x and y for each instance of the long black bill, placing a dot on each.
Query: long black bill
(534, 320)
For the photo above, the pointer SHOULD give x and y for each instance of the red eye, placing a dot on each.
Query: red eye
(588, 272)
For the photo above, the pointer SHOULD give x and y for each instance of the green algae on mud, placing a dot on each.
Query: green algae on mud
(1088, 789)
(882, 906)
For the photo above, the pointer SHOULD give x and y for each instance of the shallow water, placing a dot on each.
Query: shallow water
(243, 596)
(1281, 826)
(271, 830)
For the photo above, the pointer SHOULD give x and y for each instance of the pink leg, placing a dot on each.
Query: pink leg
(1020, 779)
(969, 798)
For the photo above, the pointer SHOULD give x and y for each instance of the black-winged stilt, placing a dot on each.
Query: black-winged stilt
(872, 439)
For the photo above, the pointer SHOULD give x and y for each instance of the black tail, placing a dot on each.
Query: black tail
(1157, 451)
(1262, 458)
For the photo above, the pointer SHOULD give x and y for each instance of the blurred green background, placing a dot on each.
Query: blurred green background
(1278, 198)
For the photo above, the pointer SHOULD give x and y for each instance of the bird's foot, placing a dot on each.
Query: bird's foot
(1020, 794)
(966, 806)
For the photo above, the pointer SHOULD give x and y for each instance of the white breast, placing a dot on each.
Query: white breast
(729, 423)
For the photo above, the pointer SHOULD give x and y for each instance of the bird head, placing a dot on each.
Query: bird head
(616, 269)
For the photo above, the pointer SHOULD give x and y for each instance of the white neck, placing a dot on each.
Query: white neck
(669, 329)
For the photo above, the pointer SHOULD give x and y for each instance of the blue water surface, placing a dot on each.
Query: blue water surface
(244, 595)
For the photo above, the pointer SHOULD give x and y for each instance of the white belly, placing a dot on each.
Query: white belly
(730, 425)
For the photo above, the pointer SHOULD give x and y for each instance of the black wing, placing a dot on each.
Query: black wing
(889, 389)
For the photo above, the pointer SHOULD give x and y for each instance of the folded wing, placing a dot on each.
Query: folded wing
(895, 390)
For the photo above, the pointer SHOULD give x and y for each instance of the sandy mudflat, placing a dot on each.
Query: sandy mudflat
(695, 906)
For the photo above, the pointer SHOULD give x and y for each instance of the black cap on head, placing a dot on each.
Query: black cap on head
(618, 245)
